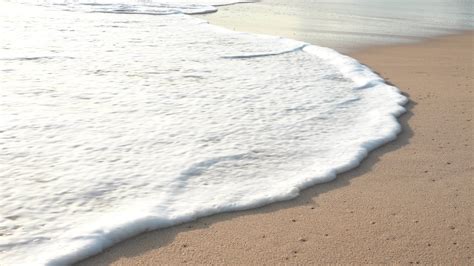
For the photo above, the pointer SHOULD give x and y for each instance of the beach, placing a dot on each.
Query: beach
(409, 202)
(227, 132)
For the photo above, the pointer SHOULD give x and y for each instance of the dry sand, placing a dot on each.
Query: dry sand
(410, 201)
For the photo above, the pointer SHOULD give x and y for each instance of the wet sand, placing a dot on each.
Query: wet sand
(410, 201)
(345, 25)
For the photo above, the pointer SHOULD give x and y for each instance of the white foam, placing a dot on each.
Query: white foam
(138, 7)
(121, 123)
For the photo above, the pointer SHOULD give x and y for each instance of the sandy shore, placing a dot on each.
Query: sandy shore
(410, 201)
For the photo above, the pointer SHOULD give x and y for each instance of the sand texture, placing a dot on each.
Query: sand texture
(410, 201)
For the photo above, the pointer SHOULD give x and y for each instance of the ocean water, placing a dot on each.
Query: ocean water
(122, 117)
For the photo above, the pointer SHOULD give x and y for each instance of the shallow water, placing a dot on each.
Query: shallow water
(348, 25)
(118, 119)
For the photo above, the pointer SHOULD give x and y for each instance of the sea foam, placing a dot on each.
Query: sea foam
(116, 124)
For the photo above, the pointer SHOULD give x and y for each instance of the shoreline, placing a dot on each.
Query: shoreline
(324, 224)
(406, 202)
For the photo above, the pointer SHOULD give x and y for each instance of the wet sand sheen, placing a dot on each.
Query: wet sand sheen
(409, 202)
(346, 26)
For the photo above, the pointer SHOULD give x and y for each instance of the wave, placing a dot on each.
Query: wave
(138, 7)
(145, 127)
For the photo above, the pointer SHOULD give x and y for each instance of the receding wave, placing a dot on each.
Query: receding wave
(246, 56)
(139, 7)
(142, 122)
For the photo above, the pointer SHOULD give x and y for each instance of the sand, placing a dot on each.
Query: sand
(410, 201)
